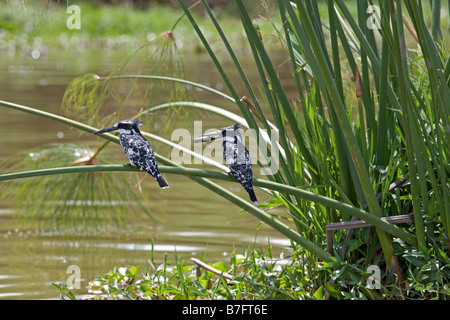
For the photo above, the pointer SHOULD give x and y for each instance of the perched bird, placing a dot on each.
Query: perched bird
(236, 156)
(137, 148)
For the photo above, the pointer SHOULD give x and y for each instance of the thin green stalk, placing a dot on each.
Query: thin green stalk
(182, 16)
(369, 110)
(258, 213)
(410, 116)
(164, 78)
(440, 100)
(436, 19)
(338, 106)
(232, 116)
(346, 165)
(275, 82)
(69, 122)
(371, 54)
(200, 173)
(244, 109)
(48, 115)
(235, 60)
(221, 112)
(269, 220)
(281, 130)
(382, 131)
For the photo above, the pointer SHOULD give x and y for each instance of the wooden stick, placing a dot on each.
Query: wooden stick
(207, 267)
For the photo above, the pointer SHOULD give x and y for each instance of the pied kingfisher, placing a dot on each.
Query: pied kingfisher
(236, 156)
(137, 148)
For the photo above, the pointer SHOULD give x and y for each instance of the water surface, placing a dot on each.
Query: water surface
(193, 220)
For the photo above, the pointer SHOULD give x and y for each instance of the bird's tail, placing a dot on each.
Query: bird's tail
(252, 196)
(162, 183)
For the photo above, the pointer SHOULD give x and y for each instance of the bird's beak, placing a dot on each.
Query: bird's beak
(112, 128)
(209, 136)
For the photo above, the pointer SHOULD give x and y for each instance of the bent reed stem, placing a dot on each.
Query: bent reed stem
(193, 172)
(258, 213)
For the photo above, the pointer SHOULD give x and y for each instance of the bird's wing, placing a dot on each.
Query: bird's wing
(147, 160)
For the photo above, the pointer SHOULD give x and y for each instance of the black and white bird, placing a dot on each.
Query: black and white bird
(236, 156)
(137, 148)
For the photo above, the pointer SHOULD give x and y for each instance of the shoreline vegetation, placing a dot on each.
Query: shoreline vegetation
(28, 27)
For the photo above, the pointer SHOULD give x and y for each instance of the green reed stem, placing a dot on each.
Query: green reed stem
(320, 53)
(258, 213)
(200, 173)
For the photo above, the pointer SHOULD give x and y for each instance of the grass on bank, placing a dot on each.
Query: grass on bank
(29, 25)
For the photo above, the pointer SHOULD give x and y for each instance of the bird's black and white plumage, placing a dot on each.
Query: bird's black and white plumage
(236, 156)
(137, 148)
